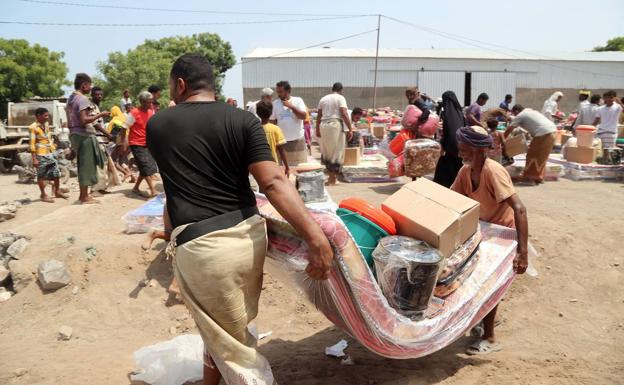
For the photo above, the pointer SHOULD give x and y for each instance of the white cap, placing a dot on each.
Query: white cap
(267, 92)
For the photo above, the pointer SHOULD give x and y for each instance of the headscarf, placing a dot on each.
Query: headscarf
(452, 120)
(118, 118)
(555, 96)
(475, 136)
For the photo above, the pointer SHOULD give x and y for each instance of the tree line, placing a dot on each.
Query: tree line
(33, 70)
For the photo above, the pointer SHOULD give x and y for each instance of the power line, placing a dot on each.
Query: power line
(177, 10)
(250, 22)
(304, 48)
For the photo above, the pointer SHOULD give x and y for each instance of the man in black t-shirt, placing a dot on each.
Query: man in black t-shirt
(205, 151)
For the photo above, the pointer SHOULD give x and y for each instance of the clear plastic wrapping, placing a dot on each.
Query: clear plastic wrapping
(146, 217)
(421, 157)
(354, 302)
(407, 270)
(311, 186)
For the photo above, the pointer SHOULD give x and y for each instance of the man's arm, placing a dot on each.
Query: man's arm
(425, 111)
(319, 116)
(33, 147)
(85, 118)
(282, 154)
(299, 113)
(283, 196)
(347, 121)
(99, 127)
(596, 121)
(521, 261)
(509, 130)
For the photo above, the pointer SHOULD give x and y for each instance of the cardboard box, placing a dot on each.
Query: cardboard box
(379, 130)
(430, 212)
(352, 156)
(580, 154)
(516, 145)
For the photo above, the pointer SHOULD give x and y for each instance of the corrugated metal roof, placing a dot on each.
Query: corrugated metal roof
(435, 53)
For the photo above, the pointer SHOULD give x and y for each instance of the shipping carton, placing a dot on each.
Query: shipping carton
(516, 145)
(379, 130)
(352, 156)
(565, 136)
(430, 212)
(580, 154)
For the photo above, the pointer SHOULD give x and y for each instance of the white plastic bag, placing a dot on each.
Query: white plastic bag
(172, 362)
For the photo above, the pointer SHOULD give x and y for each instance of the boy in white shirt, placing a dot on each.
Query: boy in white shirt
(607, 118)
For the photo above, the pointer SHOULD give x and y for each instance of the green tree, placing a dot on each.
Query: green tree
(27, 71)
(150, 63)
(615, 44)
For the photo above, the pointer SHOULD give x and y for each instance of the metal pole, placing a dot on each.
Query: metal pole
(376, 60)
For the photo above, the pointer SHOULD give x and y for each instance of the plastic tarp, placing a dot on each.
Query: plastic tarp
(353, 301)
(580, 171)
(146, 217)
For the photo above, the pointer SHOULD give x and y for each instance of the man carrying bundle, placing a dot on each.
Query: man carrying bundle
(487, 182)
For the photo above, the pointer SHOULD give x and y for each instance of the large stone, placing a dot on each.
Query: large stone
(17, 248)
(53, 275)
(4, 273)
(7, 211)
(5, 295)
(21, 274)
(6, 240)
(65, 333)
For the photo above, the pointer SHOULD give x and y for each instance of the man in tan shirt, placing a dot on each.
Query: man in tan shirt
(487, 182)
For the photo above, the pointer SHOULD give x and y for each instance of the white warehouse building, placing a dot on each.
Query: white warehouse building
(531, 79)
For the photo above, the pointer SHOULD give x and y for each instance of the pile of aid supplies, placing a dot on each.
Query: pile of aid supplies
(421, 244)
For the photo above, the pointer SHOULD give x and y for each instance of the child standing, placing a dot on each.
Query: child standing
(42, 149)
(274, 134)
(498, 143)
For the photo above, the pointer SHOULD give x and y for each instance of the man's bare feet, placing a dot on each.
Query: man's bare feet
(89, 201)
(147, 244)
(61, 195)
(46, 199)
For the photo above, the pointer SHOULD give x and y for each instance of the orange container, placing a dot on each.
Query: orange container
(585, 136)
(370, 212)
(398, 143)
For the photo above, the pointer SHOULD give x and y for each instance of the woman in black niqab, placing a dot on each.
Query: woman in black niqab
(452, 119)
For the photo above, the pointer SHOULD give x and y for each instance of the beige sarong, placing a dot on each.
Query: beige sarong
(220, 279)
(296, 152)
(333, 141)
(537, 157)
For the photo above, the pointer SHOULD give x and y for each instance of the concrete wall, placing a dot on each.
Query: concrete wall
(395, 96)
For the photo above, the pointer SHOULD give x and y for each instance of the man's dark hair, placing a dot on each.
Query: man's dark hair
(492, 124)
(595, 99)
(583, 97)
(517, 108)
(264, 109)
(153, 89)
(357, 110)
(284, 84)
(80, 79)
(95, 89)
(610, 94)
(483, 96)
(40, 111)
(337, 87)
(508, 97)
(195, 70)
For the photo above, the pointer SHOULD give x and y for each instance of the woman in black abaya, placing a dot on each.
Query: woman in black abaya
(452, 119)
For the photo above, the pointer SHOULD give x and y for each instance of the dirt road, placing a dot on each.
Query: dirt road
(564, 327)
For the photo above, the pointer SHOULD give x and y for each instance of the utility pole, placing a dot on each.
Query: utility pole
(376, 62)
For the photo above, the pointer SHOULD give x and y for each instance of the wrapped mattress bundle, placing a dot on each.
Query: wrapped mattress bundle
(421, 157)
(410, 121)
(448, 285)
(406, 271)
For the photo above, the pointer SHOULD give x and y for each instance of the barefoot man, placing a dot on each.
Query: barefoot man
(487, 182)
(205, 150)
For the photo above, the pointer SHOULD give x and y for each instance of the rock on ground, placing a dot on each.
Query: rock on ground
(17, 248)
(53, 275)
(21, 274)
(4, 273)
(7, 211)
(65, 333)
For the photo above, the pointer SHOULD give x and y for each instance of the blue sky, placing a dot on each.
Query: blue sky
(540, 25)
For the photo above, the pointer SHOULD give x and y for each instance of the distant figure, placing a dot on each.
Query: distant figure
(289, 113)
(506, 104)
(123, 103)
(232, 102)
(473, 113)
(497, 150)
(543, 132)
(332, 123)
(586, 109)
(551, 106)
(413, 98)
(42, 149)
(265, 95)
(155, 91)
(452, 120)
(607, 119)
(274, 134)
(138, 145)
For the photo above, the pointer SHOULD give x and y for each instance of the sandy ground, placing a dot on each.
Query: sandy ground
(564, 327)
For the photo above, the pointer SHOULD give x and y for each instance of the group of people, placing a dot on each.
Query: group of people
(101, 150)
